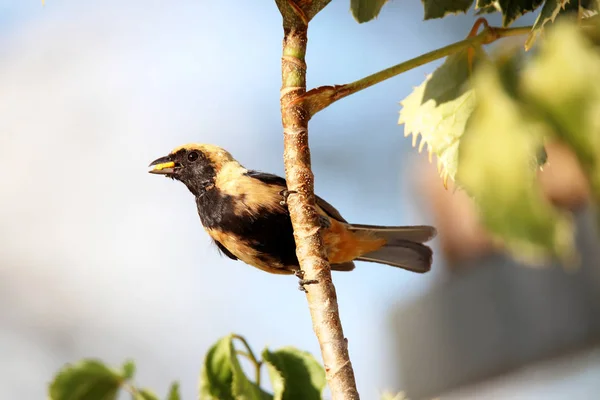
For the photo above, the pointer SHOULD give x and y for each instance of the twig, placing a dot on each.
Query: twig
(311, 254)
(319, 98)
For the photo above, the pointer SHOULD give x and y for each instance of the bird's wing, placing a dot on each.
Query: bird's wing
(329, 209)
(279, 181)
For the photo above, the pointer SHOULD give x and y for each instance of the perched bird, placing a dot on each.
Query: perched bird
(245, 213)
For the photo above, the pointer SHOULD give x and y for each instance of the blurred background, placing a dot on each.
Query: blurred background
(101, 259)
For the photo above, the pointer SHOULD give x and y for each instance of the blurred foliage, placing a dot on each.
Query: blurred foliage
(562, 83)
(391, 396)
(88, 379)
(92, 379)
(495, 167)
(487, 128)
(294, 375)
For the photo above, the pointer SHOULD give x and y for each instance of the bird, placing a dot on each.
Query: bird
(245, 213)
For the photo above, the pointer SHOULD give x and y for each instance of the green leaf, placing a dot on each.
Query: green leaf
(366, 10)
(128, 370)
(510, 9)
(441, 8)
(243, 388)
(145, 394)
(495, 168)
(563, 81)
(174, 392)
(85, 380)
(548, 14)
(513, 9)
(438, 110)
(294, 374)
(554, 8)
(223, 378)
(490, 9)
(217, 373)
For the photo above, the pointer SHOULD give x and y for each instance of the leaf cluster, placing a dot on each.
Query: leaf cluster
(511, 10)
(294, 375)
(487, 123)
(91, 379)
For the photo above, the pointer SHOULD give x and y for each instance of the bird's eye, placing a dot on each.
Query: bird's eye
(193, 156)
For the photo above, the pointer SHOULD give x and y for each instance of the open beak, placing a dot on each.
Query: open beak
(162, 166)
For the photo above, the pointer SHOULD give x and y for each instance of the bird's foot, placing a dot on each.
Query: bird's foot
(285, 194)
(303, 282)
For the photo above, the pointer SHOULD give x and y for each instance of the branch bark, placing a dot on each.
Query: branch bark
(322, 298)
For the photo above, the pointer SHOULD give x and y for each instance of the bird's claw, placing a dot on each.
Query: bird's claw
(285, 194)
(303, 282)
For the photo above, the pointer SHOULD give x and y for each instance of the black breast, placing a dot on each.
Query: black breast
(268, 232)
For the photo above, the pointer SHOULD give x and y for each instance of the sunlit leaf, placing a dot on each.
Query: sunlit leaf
(495, 168)
(441, 8)
(438, 110)
(548, 14)
(366, 10)
(294, 374)
(86, 380)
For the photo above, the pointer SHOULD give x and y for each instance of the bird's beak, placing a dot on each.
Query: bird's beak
(162, 166)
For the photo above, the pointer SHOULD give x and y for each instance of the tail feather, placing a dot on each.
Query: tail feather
(416, 233)
(404, 247)
(411, 256)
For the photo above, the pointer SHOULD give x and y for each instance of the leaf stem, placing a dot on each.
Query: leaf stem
(312, 257)
(131, 389)
(319, 98)
(250, 356)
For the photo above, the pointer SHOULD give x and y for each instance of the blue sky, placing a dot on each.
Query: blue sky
(105, 260)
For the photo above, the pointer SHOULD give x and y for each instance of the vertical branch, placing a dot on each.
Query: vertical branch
(311, 253)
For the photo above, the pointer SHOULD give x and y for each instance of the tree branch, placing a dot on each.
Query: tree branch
(319, 98)
(299, 12)
(311, 253)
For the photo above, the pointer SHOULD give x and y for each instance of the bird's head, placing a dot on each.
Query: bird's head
(194, 164)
